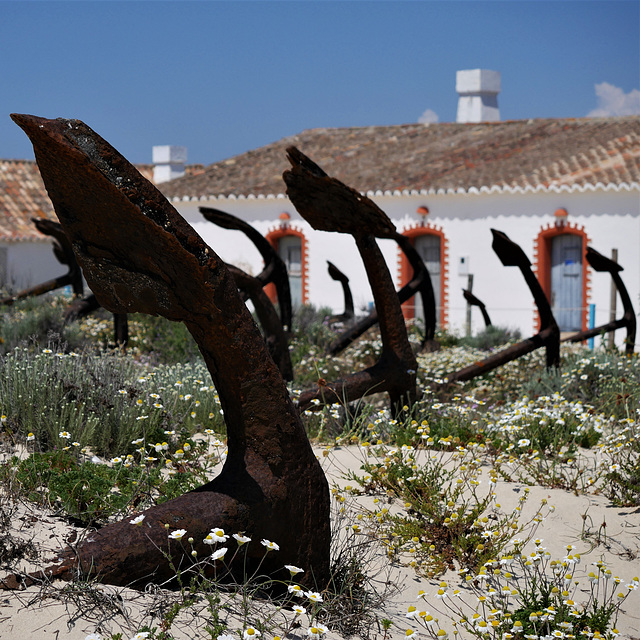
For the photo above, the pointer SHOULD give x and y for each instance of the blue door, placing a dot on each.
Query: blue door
(566, 281)
(428, 247)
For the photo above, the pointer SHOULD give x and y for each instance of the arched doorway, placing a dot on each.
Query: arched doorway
(431, 245)
(291, 245)
(562, 271)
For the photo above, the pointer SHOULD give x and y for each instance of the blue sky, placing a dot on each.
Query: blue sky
(224, 77)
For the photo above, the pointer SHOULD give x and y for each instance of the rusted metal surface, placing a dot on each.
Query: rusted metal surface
(275, 270)
(138, 254)
(603, 264)
(474, 301)
(64, 254)
(511, 255)
(329, 205)
(340, 277)
(420, 282)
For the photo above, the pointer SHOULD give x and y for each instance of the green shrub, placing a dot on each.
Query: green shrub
(491, 338)
(103, 401)
(39, 320)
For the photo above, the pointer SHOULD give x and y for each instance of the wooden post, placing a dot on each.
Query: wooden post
(612, 303)
(469, 289)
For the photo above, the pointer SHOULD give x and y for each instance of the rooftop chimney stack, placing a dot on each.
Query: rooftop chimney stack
(169, 163)
(478, 90)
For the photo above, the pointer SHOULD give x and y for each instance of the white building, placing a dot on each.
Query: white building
(553, 186)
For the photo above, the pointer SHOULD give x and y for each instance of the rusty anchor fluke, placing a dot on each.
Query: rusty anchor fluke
(475, 301)
(337, 275)
(139, 254)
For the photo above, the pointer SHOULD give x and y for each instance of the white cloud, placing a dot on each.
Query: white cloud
(613, 101)
(428, 117)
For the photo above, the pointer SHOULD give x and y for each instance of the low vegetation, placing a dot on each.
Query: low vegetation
(92, 433)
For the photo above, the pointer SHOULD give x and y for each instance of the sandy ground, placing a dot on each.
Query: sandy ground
(58, 611)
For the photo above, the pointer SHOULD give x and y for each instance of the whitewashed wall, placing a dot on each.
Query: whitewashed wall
(26, 264)
(610, 218)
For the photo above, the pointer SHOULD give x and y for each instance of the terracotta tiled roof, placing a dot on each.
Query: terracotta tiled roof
(519, 155)
(23, 196)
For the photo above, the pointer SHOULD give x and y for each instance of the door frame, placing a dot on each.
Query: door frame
(542, 264)
(274, 237)
(405, 271)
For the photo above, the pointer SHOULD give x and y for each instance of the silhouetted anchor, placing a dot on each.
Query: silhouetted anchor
(602, 263)
(511, 255)
(472, 300)
(329, 205)
(139, 254)
(274, 271)
(274, 334)
(340, 277)
(79, 307)
(420, 282)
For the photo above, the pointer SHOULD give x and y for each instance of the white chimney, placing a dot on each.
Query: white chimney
(478, 90)
(169, 162)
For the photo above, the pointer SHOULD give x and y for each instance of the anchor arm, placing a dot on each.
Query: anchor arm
(337, 275)
(511, 254)
(473, 300)
(275, 269)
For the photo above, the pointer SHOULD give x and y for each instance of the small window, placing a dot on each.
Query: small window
(290, 250)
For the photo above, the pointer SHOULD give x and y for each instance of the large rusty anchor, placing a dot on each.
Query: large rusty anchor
(139, 254)
(628, 320)
(511, 255)
(329, 205)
